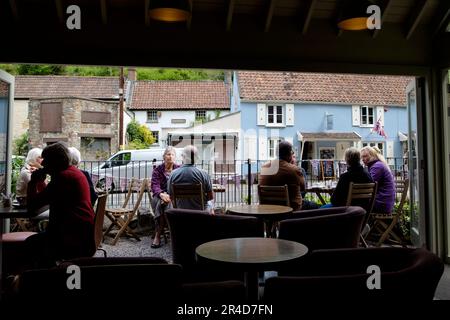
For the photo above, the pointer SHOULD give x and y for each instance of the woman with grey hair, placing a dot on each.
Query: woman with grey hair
(32, 163)
(355, 173)
(75, 159)
(161, 199)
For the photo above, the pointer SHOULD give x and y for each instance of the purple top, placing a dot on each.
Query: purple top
(385, 198)
(159, 179)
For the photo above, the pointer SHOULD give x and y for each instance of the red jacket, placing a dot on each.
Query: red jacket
(71, 220)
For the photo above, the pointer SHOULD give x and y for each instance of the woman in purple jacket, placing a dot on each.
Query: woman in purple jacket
(161, 199)
(380, 172)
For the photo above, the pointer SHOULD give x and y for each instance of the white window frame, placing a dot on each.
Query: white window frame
(379, 144)
(152, 116)
(275, 115)
(366, 117)
(272, 144)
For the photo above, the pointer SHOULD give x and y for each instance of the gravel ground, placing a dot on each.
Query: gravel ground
(130, 247)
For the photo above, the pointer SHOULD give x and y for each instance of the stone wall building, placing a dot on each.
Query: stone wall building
(92, 126)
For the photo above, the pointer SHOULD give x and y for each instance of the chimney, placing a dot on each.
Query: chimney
(132, 74)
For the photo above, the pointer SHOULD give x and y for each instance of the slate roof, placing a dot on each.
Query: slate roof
(180, 95)
(105, 88)
(323, 87)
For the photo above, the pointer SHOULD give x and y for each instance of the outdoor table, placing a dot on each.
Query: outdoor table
(267, 212)
(250, 255)
(218, 187)
(319, 190)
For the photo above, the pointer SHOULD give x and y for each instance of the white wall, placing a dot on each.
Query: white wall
(20, 118)
(165, 121)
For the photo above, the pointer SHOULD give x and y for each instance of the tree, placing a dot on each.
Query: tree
(21, 145)
(139, 136)
(38, 69)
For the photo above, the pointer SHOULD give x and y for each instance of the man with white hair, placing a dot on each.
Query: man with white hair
(189, 173)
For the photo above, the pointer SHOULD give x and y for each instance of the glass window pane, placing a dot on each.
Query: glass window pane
(270, 119)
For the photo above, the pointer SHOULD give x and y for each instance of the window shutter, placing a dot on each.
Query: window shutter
(380, 115)
(262, 148)
(261, 109)
(289, 114)
(51, 117)
(390, 151)
(356, 116)
(250, 147)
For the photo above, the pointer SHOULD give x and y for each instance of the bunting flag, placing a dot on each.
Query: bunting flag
(378, 128)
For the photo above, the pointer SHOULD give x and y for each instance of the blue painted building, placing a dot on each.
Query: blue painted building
(321, 114)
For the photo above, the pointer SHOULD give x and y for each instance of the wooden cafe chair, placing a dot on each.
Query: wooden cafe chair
(363, 195)
(385, 222)
(187, 191)
(121, 217)
(276, 195)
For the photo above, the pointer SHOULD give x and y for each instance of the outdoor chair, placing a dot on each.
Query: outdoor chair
(121, 217)
(363, 195)
(187, 191)
(98, 221)
(277, 195)
(343, 275)
(191, 228)
(385, 223)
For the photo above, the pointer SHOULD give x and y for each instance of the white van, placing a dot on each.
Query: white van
(116, 172)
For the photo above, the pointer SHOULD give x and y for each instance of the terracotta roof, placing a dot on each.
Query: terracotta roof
(330, 136)
(321, 87)
(4, 89)
(168, 95)
(61, 86)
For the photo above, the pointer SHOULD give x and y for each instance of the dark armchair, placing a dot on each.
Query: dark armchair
(343, 274)
(337, 227)
(191, 228)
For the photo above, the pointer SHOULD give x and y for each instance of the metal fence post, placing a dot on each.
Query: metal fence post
(249, 181)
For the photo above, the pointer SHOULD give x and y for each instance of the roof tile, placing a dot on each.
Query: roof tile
(321, 87)
(180, 95)
(66, 86)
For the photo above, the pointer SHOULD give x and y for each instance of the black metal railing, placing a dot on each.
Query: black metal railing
(235, 182)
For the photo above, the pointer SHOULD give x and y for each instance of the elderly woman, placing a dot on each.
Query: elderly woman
(71, 223)
(161, 199)
(380, 172)
(355, 173)
(32, 163)
(75, 156)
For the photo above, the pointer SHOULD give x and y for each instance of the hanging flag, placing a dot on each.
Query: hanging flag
(378, 128)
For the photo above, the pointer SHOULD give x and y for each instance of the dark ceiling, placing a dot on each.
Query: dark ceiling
(228, 34)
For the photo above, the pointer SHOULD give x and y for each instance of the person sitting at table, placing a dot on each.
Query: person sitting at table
(189, 173)
(71, 221)
(306, 204)
(160, 197)
(380, 172)
(75, 156)
(355, 173)
(282, 172)
(32, 163)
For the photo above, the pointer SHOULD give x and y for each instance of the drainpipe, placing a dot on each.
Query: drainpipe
(121, 85)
